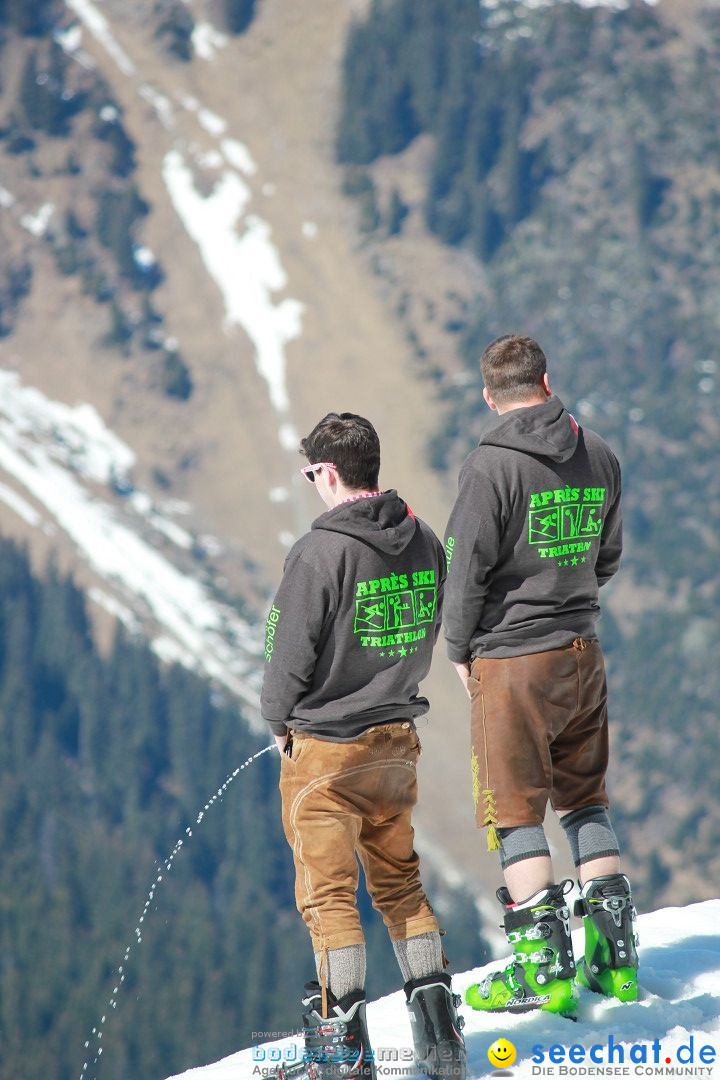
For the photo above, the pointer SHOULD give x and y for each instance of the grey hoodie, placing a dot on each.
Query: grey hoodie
(535, 530)
(351, 631)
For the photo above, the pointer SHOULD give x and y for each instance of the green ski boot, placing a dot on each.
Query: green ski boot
(610, 963)
(541, 975)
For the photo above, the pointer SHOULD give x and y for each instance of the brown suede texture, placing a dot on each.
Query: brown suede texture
(539, 731)
(347, 800)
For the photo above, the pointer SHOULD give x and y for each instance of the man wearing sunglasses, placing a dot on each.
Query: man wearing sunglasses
(349, 636)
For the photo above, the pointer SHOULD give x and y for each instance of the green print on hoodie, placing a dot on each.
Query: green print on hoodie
(361, 600)
(535, 531)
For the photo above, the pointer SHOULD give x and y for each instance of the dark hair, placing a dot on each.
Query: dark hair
(512, 368)
(351, 443)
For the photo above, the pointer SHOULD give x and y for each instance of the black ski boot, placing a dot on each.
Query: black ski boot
(436, 1028)
(337, 1047)
(610, 963)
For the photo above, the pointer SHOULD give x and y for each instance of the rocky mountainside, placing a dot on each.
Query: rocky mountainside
(195, 295)
(562, 154)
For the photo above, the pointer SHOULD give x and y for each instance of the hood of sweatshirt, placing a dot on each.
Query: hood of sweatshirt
(547, 430)
(384, 522)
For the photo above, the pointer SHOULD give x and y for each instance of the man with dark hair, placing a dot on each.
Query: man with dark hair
(535, 531)
(349, 636)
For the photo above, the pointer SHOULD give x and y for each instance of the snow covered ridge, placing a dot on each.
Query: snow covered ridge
(78, 475)
(673, 1031)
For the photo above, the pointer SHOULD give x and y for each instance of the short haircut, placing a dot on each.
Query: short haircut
(351, 443)
(512, 368)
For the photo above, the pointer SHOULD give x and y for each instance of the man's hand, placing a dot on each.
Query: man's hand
(281, 742)
(463, 671)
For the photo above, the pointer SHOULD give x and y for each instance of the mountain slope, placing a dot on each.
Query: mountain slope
(262, 175)
(561, 154)
(223, 162)
(680, 979)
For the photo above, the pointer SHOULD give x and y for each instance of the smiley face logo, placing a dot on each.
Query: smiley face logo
(502, 1053)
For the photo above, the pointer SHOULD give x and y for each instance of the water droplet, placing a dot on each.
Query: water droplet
(151, 894)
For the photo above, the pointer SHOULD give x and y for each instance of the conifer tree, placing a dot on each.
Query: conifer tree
(239, 14)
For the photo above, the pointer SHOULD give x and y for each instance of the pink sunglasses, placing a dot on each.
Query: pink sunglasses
(308, 471)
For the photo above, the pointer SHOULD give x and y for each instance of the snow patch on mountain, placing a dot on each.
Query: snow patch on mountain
(21, 506)
(100, 29)
(236, 247)
(37, 223)
(680, 980)
(244, 264)
(79, 472)
(206, 40)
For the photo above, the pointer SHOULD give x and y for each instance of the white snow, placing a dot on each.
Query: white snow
(99, 27)
(289, 438)
(211, 545)
(680, 980)
(175, 506)
(144, 257)
(70, 39)
(118, 611)
(309, 230)
(109, 114)
(160, 103)
(208, 159)
(238, 155)
(180, 537)
(70, 462)
(245, 266)
(7, 199)
(212, 122)
(206, 40)
(21, 506)
(75, 434)
(37, 223)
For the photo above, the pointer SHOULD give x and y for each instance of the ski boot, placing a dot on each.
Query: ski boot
(436, 1028)
(610, 963)
(542, 972)
(337, 1047)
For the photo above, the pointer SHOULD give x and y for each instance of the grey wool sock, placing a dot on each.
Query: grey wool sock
(345, 969)
(590, 834)
(522, 842)
(419, 956)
